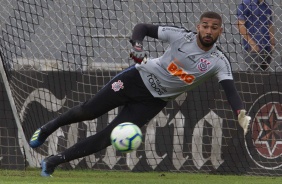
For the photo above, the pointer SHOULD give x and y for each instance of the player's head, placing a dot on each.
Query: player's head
(209, 29)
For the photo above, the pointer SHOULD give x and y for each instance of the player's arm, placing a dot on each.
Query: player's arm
(236, 103)
(242, 11)
(271, 34)
(244, 32)
(270, 24)
(271, 31)
(141, 30)
(138, 35)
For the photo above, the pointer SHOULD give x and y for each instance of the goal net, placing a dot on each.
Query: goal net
(58, 54)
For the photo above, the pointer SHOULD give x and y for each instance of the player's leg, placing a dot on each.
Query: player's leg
(105, 100)
(139, 113)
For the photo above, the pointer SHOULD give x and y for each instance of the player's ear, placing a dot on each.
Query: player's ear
(198, 27)
(221, 30)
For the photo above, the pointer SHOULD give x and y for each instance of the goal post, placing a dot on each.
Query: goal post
(58, 54)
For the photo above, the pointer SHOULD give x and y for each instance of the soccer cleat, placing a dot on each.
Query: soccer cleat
(35, 140)
(47, 168)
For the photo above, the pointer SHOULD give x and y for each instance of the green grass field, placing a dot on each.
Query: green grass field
(114, 177)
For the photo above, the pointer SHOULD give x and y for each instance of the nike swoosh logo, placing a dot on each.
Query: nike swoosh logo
(180, 50)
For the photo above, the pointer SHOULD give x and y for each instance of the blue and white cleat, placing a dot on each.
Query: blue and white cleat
(47, 168)
(35, 141)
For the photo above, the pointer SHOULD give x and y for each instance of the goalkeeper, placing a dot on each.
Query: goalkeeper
(145, 88)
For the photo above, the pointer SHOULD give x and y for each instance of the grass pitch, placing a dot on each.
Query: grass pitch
(115, 177)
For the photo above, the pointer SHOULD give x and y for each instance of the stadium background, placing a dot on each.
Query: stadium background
(77, 53)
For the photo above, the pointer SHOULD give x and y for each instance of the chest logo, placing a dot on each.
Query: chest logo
(180, 50)
(203, 64)
(177, 71)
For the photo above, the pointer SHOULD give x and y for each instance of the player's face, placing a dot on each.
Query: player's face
(208, 31)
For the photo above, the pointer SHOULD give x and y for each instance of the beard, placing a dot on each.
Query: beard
(207, 44)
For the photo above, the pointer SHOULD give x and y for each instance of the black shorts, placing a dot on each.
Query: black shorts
(128, 90)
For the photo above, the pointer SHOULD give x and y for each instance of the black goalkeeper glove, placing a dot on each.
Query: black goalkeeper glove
(137, 53)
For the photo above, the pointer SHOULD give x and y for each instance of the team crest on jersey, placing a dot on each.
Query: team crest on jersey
(203, 65)
(116, 86)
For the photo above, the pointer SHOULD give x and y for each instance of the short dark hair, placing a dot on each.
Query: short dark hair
(212, 15)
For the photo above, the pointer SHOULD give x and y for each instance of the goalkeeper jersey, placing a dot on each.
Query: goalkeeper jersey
(183, 66)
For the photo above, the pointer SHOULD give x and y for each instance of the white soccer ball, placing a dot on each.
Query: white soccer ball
(126, 137)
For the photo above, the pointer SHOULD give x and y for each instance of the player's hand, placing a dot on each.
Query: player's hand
(137, 53)
(244, 120)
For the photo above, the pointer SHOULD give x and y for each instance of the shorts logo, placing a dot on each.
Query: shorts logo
(116, 86)
(203, 65)
(264, 143)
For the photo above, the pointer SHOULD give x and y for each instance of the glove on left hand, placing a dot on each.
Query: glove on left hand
(244, 120)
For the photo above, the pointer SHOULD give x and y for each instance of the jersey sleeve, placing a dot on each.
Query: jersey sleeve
(224, 71)
(232, 95)
(169, 33)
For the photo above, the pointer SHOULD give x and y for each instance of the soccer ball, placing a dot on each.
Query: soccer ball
(126, 137)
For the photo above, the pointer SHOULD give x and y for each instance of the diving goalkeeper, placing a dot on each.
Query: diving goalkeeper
(145, 88)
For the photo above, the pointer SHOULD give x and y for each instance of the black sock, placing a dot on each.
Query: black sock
(90, 145)
(55, 160)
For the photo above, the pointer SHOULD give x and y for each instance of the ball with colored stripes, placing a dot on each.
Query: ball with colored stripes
(126, 137)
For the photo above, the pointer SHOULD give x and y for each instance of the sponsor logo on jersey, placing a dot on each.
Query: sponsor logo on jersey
(264, 141)
(156, 84)
(188, 37)
(203, 65)
(177, 71)
(175, 29)
(214, 54)
(116, 86)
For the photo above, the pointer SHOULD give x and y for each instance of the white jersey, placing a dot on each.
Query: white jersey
(183, 66)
